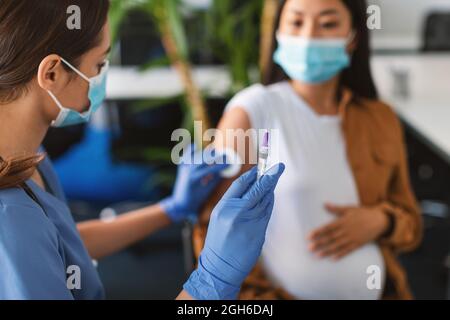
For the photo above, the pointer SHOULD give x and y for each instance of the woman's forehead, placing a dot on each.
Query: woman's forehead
(315, 7)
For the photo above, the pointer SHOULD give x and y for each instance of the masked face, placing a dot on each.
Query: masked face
(312, 60)
(97, 94)
(315, 39)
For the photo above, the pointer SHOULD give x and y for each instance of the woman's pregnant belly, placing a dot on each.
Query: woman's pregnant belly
(307, 277)
(290, 264)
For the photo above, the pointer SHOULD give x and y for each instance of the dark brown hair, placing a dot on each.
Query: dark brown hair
(358, 77)
(30, 30)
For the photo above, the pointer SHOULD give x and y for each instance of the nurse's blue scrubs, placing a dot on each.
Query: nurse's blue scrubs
(39, 243)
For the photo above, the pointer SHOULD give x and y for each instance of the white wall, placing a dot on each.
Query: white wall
(403, 22)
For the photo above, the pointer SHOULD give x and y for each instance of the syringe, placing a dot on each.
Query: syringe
(263, 155)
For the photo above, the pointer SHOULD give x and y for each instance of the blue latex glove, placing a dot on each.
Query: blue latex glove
(194, 184)
(236, 235)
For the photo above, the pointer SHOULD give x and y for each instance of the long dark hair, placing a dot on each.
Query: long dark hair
(358, 77)
(30, 30)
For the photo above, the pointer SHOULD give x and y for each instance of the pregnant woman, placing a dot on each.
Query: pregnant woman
(345, 207)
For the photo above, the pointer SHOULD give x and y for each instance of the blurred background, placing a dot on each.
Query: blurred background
(218, 48)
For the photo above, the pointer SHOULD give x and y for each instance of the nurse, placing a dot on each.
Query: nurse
(53, 76)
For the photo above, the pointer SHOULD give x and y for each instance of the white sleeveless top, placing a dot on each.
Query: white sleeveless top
(317, 172)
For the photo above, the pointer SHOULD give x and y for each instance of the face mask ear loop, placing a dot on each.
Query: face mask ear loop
(76, 70)
(60, 106)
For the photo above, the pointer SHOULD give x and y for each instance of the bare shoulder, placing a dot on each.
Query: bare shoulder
(235, 118)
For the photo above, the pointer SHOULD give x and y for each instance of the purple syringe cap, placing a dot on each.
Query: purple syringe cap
(266, 139)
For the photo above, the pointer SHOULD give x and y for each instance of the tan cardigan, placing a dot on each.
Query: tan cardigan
(377, 155)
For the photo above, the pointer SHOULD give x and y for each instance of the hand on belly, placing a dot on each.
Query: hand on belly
(353, 228)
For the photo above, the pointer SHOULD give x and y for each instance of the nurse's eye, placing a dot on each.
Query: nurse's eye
(101, 65)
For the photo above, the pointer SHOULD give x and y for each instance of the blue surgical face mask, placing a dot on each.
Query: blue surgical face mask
(312, 60)
(97, 94)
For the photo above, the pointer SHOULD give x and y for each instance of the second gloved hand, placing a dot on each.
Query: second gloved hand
(194, 184)
(236, 235)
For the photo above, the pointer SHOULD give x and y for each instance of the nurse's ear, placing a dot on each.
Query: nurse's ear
(52, 75)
